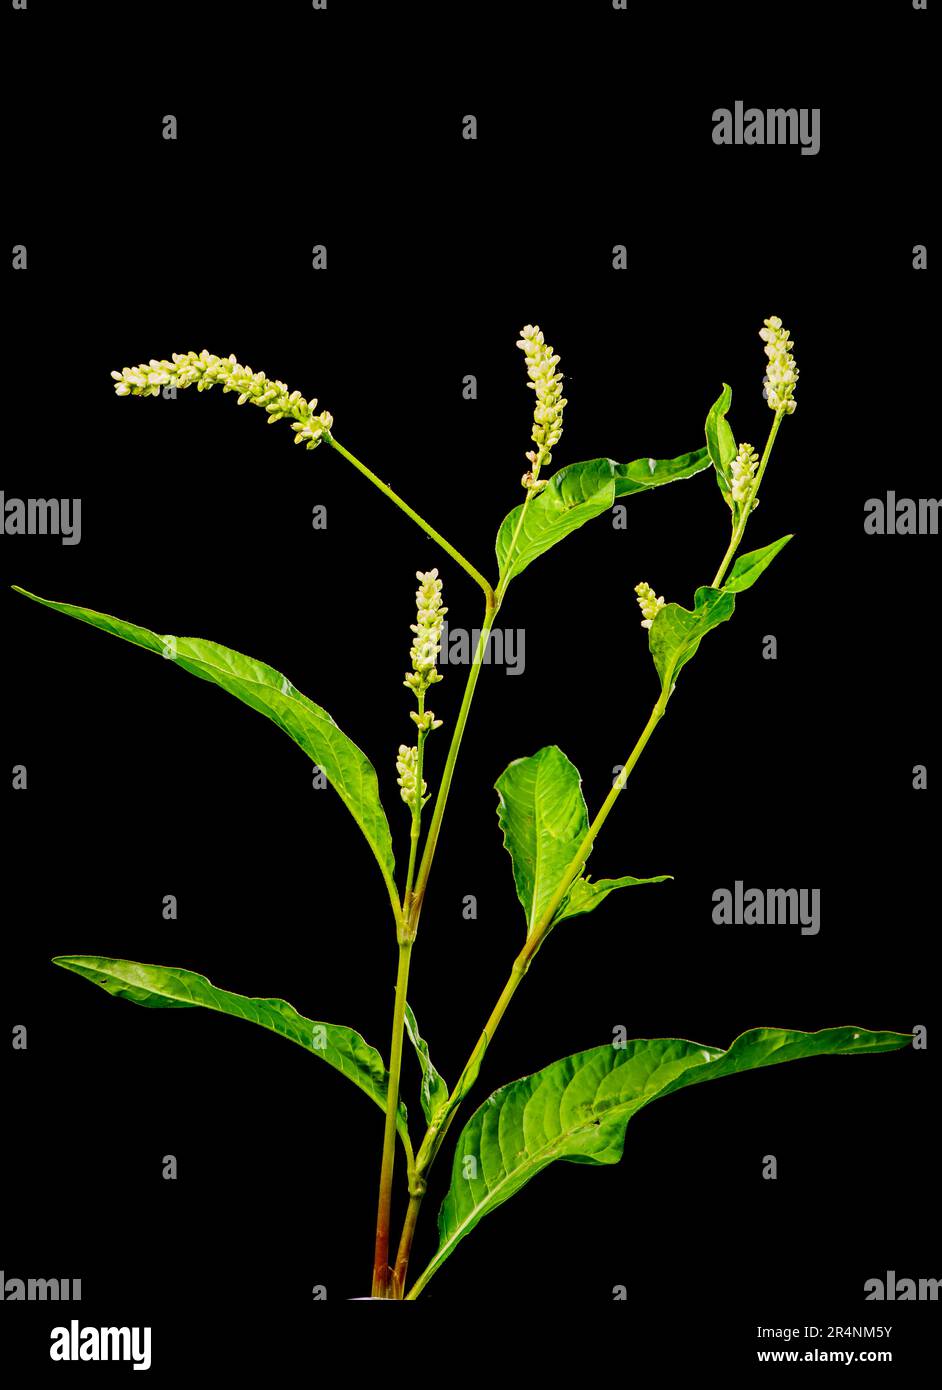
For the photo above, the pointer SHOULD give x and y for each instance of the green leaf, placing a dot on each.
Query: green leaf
(348, 770)
(434, 1087)
(676, 633)
(577, 493)
(585, 895)
(577, 1109)
(645, 473)
(747, 568)
(721, 444)
(573, 496)
(164, 987)
(543, 815)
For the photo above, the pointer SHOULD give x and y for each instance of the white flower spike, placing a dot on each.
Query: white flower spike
(649, 603)
(204, 370)
(782, 374)
(407, 765)
(744, 472)
(548, 411)
(426, 644)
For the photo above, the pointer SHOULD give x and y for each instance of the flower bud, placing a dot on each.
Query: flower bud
(649, 603)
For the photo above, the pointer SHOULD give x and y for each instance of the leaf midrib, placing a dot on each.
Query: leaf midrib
(540, 853)
(480, 1208)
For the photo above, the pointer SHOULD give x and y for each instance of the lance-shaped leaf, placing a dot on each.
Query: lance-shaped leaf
(578, 1108)
(577, 493)
(721, 444)
(676, 633)
(347, 769)
(747, 568)
(645, 473)
(586, 894)
(543, 815)
(164, 987)
(573, 496)
(434, 1087)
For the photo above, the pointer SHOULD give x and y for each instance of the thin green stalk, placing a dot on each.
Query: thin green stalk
(505, 578)
(384, 1285)
(438, 811)
(410, 512)
(416, 826)
(588, 841)
(739, 530)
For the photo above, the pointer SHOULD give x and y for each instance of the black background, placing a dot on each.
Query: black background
(344, 129)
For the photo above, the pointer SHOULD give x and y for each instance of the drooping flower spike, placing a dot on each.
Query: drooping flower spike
(204, 370)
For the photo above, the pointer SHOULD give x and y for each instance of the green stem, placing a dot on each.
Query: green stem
(384, 1285)
(419, 521)
(408, 1231)
(436, 1132)
(416, 814)
(585, 849)
(438, 811)
(740, 528)
(508, 562)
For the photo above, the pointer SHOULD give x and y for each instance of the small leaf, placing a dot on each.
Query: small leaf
(585, 895)
(747, 568)
(578, 1108)
(164, 987)
(573, 496)
(543, 815)
(646, 473)
(434, 1086)
(721, 444)
(348, 770)
(676, 633)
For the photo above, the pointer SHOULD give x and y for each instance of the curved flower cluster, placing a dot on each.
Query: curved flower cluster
(204, 370)
(427, 641)
(649, 603)
(548, 411)
(782, 374)
(744, 472)
(407, 765)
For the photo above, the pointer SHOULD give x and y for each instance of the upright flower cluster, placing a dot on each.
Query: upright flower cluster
(548, 411)
(205, 371)
(782, 374)
(744, 472)
(407, 765)
(426, 644)
(649, 603)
